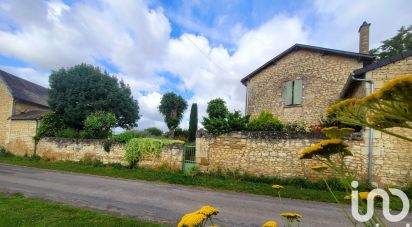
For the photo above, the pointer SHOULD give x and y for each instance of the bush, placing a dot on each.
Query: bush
(4, 153)
(68, 133)
(153, 131)
(216, 126)
(181, 134)
(193, 123)
(216, 108)
(128, 135)
(294, 127)
(98, 125)
(265, 122)
(236, 121)
(50, 125)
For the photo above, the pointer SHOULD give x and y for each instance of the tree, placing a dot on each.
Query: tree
(395, 45)
(98, 125)
(216, 108)
(79, 91)
(193, 123)
(154, 131)
(172, 107)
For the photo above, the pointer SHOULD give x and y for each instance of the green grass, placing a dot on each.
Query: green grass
(247, 184)
(16, 210)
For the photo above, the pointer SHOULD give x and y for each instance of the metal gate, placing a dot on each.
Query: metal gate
(189, 157)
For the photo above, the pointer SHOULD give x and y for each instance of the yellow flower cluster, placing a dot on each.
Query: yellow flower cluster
(319, 168)
(401, 86)
(270, 224)
(277, 187)
(336, 133)
(363, 196)
(196, 218)
(291, 216)
(325, 148)
(344, 103)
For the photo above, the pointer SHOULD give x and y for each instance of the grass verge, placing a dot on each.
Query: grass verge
(16, 210)
(212, 181)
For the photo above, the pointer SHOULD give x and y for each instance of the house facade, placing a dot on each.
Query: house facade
(23, 104)
(300, 83)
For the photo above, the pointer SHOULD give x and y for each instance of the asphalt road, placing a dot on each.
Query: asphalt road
(162, 202)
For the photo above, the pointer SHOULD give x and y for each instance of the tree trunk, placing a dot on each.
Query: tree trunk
(171, 133)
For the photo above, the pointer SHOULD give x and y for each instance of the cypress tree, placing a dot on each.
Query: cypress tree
(193, 123)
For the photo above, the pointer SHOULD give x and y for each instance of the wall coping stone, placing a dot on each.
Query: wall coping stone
(268, 135)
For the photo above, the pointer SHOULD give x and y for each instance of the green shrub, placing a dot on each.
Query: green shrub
(294, 127)
(50, 125)
(193, 123)
(98, 125)
(216, 108)
(236, 121)
(216, 126)
(265, 121)
(153, 131)
(128, 135)
(135, 148)
(67, 133)
(181, 134)
(4, 153)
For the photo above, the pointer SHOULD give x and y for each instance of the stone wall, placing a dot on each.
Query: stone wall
(323, 78)
(6, 108)
(20, 138)
(276, 154)
(61, 149)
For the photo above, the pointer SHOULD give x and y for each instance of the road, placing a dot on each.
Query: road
(160, 202)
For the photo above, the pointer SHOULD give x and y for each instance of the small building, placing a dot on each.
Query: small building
(22, 105)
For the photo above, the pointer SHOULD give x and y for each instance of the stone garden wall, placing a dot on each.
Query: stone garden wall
(61, 149)
(276, 154)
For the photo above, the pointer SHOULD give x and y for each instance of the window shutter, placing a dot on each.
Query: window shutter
(297, 92)
(287, 93)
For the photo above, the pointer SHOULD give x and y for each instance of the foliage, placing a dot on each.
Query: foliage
(265, 121)
(193, 123)
(236, 121)
(137, 147)
(98, 125)
(128, 135)
(153, 131)
(50, 124)
(388, 107)
(172, 107)
(19, 211)
(68, 133)
(398, 44)
(331, 121)
(220, 120)
(181, 134)
(216, 108)
(77, 92)
(298, 127)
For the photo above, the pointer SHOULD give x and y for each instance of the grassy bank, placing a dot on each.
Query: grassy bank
(16, 210)
(254, 185)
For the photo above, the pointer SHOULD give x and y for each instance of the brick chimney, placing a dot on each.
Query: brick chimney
(364, 38)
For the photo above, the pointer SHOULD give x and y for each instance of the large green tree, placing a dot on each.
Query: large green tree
(398, 44)
(172, 107)
(78, 91)
(193, 123)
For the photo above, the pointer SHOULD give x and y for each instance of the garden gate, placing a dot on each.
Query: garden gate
(189, 157)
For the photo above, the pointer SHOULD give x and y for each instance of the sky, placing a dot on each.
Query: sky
(197, 49)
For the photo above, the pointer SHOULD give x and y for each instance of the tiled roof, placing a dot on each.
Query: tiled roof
(25, 90)
(360, 73)
(363, 57)
(31, 115)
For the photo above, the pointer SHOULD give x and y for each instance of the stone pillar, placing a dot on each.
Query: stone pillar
(364, 38)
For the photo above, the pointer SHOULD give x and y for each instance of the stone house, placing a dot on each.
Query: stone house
(301, 82)
(298, 85)
(22, 105)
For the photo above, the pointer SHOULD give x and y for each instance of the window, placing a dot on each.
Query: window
(292, 92)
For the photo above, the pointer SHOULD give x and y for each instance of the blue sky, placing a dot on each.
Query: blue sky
(198, 49)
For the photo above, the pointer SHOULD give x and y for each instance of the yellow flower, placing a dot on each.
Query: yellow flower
(194, 220)
(319, 168)
(270, 224)
(183, 220)
(335, 132)
(277, 187)
(208, 211)
(291, 216)
(342, 104)
(347, 197)
(325, 148)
